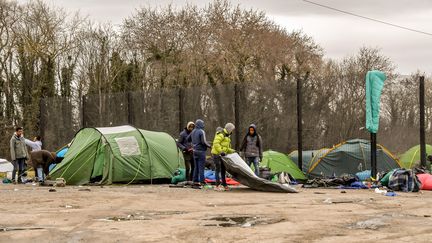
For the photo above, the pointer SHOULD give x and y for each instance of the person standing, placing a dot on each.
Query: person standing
(36, 144)
(200, 146)
(252, 148)
(222, 147)
(19, 154)
(187, 149)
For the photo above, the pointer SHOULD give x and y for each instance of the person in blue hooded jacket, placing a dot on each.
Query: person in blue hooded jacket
(200, 146)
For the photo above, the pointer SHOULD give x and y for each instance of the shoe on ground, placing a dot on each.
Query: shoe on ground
(196, 186)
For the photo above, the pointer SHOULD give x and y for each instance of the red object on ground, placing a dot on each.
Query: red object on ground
(229, 181)
(426, 180)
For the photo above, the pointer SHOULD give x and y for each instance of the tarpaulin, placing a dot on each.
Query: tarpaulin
(242, 173)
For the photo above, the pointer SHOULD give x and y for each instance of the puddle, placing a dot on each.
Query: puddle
(372, 224)
(127, 218)
(141, 216)
(158, 213)
(4, 229)
(241, 221)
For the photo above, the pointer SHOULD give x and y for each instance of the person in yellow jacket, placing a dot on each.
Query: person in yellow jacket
(221, 147)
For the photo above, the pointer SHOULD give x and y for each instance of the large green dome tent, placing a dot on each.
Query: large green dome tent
(121, 154)
(349, 157)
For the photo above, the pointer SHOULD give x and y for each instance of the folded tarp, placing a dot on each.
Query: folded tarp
(229, 181)
(242, 173)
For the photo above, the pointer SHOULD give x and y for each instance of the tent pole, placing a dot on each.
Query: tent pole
(422, 123)
(373, 155)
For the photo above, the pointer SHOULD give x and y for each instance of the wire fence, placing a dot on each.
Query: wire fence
(270, 105)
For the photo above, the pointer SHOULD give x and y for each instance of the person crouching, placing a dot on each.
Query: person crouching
(41, 160)
(221, 147)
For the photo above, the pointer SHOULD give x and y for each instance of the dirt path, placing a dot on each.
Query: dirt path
(163, 214)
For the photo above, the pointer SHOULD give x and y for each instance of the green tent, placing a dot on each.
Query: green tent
(279, 162)
(121, 154)
(411, 158)
(350, 157)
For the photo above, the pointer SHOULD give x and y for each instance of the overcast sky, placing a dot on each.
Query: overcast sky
(339, 34)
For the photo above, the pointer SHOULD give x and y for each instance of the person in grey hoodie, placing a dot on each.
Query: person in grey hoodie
(200, 146)
(252, 148)
(19, 154)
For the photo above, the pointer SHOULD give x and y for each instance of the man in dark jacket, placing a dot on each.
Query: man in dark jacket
(200, 146)
(252, 148)
(19, 154)
(187, 149)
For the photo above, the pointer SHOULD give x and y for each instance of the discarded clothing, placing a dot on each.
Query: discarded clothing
(344, 181)
(404, 180)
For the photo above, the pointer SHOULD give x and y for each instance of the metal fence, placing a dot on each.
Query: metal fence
(269, 105)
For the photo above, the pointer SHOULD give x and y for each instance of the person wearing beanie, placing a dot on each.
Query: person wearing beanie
(200, 145)
(252, 148)
(221, 147)
(187, 149)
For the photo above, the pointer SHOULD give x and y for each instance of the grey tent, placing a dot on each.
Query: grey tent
(349, 157)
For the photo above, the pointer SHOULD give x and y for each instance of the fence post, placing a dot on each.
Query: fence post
(422, 123)
(300, 120)
(180, 108)
(129, 108)
(42, 119)
(237, 116)
(83, 121)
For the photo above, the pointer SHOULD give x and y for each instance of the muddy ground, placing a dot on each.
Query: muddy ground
(162, 214)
